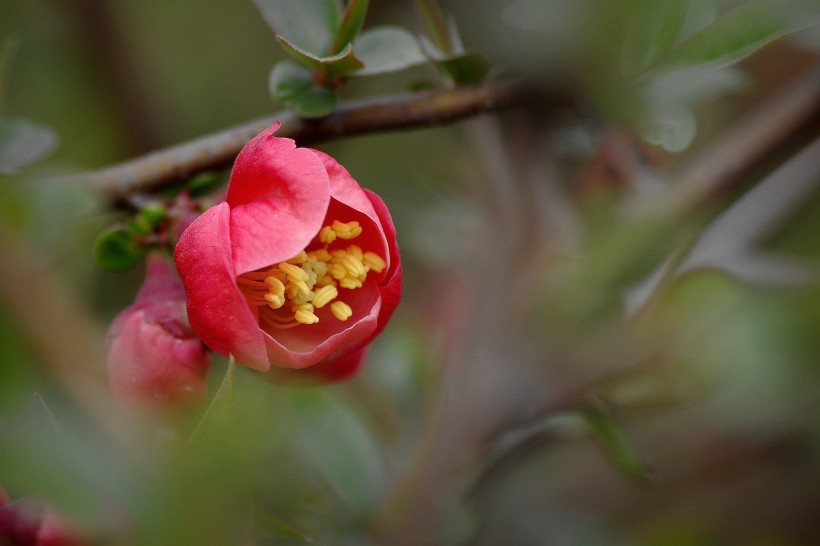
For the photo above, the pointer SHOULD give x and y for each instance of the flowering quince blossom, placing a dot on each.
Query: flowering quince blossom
(155, 362)
(298, 268)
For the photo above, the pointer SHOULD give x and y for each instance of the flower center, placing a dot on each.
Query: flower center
(311, 280)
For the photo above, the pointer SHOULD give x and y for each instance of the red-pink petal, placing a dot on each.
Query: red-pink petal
(391, 288)
(278, 195)
(217, 310)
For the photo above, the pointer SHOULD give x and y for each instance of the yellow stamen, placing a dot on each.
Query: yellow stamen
(349, 230)
(274, 301)
(341, 310)
(311, 280)
(374, 262)
(353, 266)
(350, 283)
(305, 317)
(275, 286)
(327, 235)
(294, 271)
(325, 295)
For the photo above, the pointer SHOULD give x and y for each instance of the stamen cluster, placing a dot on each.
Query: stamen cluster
(312, 279)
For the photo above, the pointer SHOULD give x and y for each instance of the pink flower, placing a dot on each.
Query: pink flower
(298, 268)
(155, 362)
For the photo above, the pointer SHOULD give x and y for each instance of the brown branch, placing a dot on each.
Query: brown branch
(163, 167)
(759, 143)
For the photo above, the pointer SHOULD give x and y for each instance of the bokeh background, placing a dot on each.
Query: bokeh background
(561, 408)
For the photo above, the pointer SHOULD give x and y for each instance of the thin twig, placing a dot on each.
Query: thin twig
(785, 122)
(163, 167)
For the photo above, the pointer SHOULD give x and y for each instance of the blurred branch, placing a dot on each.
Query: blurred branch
(786, 122)
(163, 167)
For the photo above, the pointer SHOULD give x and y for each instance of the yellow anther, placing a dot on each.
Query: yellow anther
(327, 235)
(320, 254)
(349, 230)
(337, 271)
(299, 258)
(301, 298)
(305, 317)
(275, 285)
(302, 307)
(326, 280)
(340, 310)
(350, 283)
(325, 295)
(374, 262)
(356, 250)
(299, 285)
(274, 301)
(294, 272)
(353, 266)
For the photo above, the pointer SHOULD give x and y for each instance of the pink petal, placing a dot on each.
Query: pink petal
(390, 290)
(278, 195)
(218, 311)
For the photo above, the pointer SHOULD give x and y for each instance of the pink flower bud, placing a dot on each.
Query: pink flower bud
(155, 361)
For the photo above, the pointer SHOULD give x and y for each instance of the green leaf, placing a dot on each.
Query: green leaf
(222, 403)
(116, 250)
(656, 30)
(466, 69)
(23, 143)
(288, 80)
(613, 440)
(316, 102)
(293, 85)
(341, 448)
(333, 65)
(735, 35)
(387, 49)
(205, 182)
(311, 24)
(351, 24)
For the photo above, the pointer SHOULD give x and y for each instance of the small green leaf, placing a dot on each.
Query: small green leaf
(23, 143)
(341, 448)
(311, 24)
(316, 102)
(116, 250)
(611, 436)
(466, 69)
(735, 35)
(147, 219)
(293, 85)
(205, 182)
(288, 80)
(655, 30)
(351, 24)
(387, 49)
(222, 403)
(333, 65)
